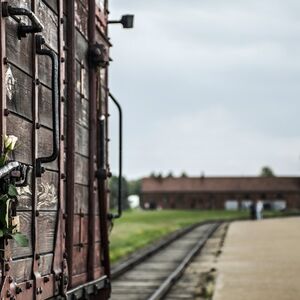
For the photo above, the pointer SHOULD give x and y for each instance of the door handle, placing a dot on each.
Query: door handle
(120, 179)
(55, 105)
(23, 29)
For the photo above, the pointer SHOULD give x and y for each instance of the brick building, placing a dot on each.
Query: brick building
(220, 192)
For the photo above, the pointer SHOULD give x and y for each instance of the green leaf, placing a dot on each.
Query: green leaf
(12, 191)
(4, 198)
(21, 239)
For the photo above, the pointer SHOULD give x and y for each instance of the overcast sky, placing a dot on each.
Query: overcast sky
(208, 86)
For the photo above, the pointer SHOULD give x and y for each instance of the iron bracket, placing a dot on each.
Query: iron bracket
(23, 29)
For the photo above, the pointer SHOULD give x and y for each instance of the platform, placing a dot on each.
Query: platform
(260, 260)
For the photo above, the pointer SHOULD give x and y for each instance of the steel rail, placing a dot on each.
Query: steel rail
(176, 274)
(127, 265)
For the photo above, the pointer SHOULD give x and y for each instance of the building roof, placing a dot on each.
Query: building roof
(221, 184)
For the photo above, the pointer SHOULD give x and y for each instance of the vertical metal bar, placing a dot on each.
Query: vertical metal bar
(120, 156)
(35, 102)
(2, 95)
(71, 73)
(59, 262)
(92, 142)
(2, 79)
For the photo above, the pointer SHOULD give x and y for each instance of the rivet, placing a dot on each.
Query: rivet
(37, 81)
(7, 267)
(62, 137)
(65, 255)
(37, 256)
(62, 59)
(5, 60)
(6, 112)
(10, 280)
(28, 285)
(38, 125)
(62, 176)
(46, 279)
(62, 20)
(18, 290)
(37, 213)
(63, 99)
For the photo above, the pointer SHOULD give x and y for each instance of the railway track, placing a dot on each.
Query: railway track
(153, 276)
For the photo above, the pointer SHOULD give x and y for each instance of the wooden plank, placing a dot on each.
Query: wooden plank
(45, 106)
(80, 259)
(50, 21)
(81, 140)
(82, 111)
(19, 92)
(18, 51)
(80, 233)
(52, 4)
(81, 18)
(25, 225)
(45, 146)
(46, 231)
(82, 47)
(45, 264)
(82, 80)
(81, 169)
(81, 199)
(21, 269)
(97, 262)
(23, 130)
(47, 186)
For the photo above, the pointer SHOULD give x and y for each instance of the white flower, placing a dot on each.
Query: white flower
(10, 142)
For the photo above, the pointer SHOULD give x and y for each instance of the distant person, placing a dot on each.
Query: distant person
(252, 211)
(259, 209)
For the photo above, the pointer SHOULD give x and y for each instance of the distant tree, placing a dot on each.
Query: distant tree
(183, 174)
(266, 172)
(134, 187)
(114, 187)
(159, 176)
(170, 175)
(152, 175)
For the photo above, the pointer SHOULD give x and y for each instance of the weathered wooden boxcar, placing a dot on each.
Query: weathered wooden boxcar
(54, 98)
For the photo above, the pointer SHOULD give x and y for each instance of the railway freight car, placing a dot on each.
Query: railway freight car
(53, 180)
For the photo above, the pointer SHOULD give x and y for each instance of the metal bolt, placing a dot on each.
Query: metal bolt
(7, 267)
(37, 256)
(10, 280)
(37, 213)
(62, 59)
(28, 285)
(6, 112)
(62, 20)
(65, 255)
(18, 290)
(57, 277)
(5, 60)
(63, 99)
(62, 137)
(46, 279)
(38, 125)
(62, 176)
(37, 81)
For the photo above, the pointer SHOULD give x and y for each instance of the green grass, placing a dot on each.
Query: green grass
(137, 229)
